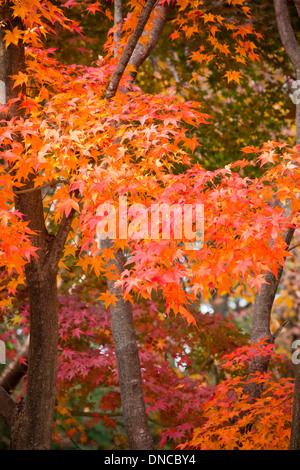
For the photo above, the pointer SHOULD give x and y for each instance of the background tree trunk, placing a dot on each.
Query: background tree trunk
(128, 363)
(264, 301)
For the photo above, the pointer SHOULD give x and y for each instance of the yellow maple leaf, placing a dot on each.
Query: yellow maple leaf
(108, 298)
(233, 75)
(12, 37)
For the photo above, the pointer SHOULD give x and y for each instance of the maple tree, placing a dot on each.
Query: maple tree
(75, 137)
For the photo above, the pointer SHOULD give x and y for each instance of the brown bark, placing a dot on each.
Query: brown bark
(295, 431)
(16, 369)
(142, 52)
(128, 363)
(128, 51)
(260, 327)
(7, 408)
(264, 301)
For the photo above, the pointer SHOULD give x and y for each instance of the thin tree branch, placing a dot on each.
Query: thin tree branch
(118, 18)
(124, 60)
(287, 34)
(293, 247)
(297, 3)
(7, 407)
(14, 372)
(276, 333)
(142, 52)
(38, 188)
(58, 241)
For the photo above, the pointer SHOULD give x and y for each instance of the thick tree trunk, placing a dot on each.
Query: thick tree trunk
(34, 430)
(295, 432)
(260, 327)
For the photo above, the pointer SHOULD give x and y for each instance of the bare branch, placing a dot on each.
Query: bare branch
(126, 56)
(37, 188)
(118, 18)
(7, 407)
(141, 52)
(293, 247)
(276, 333)
(14, 372)
(287, 34)
(59, 240)
(297, 3)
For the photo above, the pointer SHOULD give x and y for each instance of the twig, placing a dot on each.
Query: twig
(122, 64)
(292, 247)
(37, 188)
(276, 333)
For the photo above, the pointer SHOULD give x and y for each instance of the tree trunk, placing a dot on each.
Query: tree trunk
(34, 430)
(260, 327)
(295, 432)
(292, 48)
(264, 302)
(128, 363)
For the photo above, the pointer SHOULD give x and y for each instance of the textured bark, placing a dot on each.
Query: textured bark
(127, 54)
(128, 363)
(16, 369)
(260, 327)
(34, 430)
(118, 18)
(142, 52)
(264, 301)
(7, 407)
(295, 431)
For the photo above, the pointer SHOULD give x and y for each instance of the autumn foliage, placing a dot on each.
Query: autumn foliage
(82, 151)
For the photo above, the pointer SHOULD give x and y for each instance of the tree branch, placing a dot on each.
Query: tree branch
(297, 3)
(37, 188)
(7, 407)
(118, 18)
(124, 60)
(13, 373)
(287, 34)
(276, 333)
(293, 247)
(59, 240)
(141, 52)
